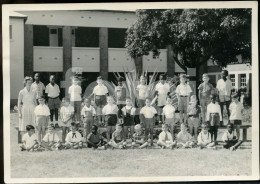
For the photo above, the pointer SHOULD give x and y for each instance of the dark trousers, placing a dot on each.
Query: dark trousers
(230, 143)
(54, 112)
(227, 107)
(214, 132)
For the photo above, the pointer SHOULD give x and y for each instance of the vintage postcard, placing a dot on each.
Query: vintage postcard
(131, 92)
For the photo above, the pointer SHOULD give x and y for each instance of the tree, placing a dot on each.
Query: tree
(195, 35)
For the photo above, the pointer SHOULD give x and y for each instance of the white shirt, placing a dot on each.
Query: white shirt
(29, 140)
(184, 137)
(38, 88)
(42, 110)
(162, 136)
(162, 89)
(148, 112)
(51, 137)
(73, 137)
(110, 109)
(75, 93)
(125, 108)
(228, 136)
(53, 91)
(224, 87)
(142, 91)
(168, 111)
(213, 108)
(183, 89)
(236, 111)
(204, 138)
(100, 90)
(66, 112)
(88, 109)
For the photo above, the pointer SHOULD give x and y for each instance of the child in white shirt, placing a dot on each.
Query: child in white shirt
(51, 140)
(142, 92)
(165, 138)
(184, 139)
(230, 140)
(73, 138)
(29, 140)
(204, 137)
(169, 115)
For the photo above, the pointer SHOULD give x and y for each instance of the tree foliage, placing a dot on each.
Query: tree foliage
(196, 35)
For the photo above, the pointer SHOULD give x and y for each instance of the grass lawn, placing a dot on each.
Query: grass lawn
(126, 163)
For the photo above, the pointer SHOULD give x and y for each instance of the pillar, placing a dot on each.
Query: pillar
(103, 45)
(28, 50)
(236, 81)
(170, 61)
(139, 65)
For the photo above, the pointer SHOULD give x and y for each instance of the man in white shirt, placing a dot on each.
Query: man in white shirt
(38, 86)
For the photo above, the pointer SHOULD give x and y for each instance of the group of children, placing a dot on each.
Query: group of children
(120, 116)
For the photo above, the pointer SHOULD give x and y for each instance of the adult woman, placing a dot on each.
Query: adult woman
(26, 105)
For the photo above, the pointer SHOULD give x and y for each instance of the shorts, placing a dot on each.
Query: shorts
(170, 121)
(183, 104)
(236, 122)
(99, 144)
(161, 100)
(77, 106)
(68, 123)
(204, 102)
(101, 100)
(41, 122)
(129, 121)
(224, 98)
(111, 120)
(148, 122)
(141, 102)
(54, 103)
(193, 122)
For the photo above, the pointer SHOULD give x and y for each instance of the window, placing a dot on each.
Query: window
(233, 79)
(116, 38)
(242, 80)
(53, 31)
(10, 32)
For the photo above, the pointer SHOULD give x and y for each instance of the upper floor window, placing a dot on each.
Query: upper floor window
(233, 79)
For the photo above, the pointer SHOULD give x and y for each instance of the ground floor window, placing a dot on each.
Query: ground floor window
(242, 80)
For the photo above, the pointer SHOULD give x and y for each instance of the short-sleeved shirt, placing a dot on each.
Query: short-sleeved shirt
(236, 111)
(29, 140)
(53, 91)
(94, 138)
(165, 136)
(139, 137)
(73, 137)
(118, 136)
(100, 90)
(193, 110)
(75, 93)
(110, 109)
(204, 138)
(224, 87)
(120, 92)
(126, 108)
(66, 112)
(42, 110)
(184, 137)
(162, 89)
(38, 88)
(88, 111)
(228, 136)
(142, 91)
(213, 108)
(51, 137)
(183, 89)
(148, 112)
(205, 89)
(168, 111)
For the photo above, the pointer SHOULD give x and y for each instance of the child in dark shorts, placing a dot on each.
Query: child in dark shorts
(118, 138)
(95, 140)
(230, 140)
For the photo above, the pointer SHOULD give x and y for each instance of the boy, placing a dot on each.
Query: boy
(128, 113)
(230, 140)
(51, 141)
(100, 93)
(169, 115)
(205, 90)
(165, 138)
(183, 91)
(224, 87)
(120, 94)
(111, 114)
(184, 139)
(147, 117)
(66, 115)
(88, 113)
(29, 140)
(118, 138)
(142, 92)
(162, 89)
(193, 116)
(204, 138)
(38, 86)
(139, 139)
(236, 111)
(53, 92)
(75, 97)
(73, 138)
(95, 140)
(42, 113)
(213, 117)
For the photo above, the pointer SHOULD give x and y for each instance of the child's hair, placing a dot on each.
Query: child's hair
(73, 124)
(148, 98)
(52, 76)
(41, 97)
(230, 125)
(206, 125)
(183, 76)
(87, 99)
(99, 77)
(142, 76)
(138, 127)
(26, 79)
(225, 71)
(213, 96)
(162, 76)
(165, 124)
(75, 77)
(96, 127)
(37, 74)
(66, 99)
(29, 127)
(184, 125)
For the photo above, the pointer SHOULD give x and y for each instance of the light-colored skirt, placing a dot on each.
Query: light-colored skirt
(28, 117)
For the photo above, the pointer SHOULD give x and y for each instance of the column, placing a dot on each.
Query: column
(103, 45)
(139, 64)
(236, 81)
(170, 61)
(28, 50)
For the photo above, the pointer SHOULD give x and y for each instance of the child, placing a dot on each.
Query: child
(73, 138)
(75, 97)
(142, 92)
(88, 113)
(95, 140)
(236, 111)
(183, 91)
(29, 140)
(162, 89)
(118, 138)
(204, 138)
(147, 117)
(66, 115)
(165, 138)
(139, 139)
(230, 140)
(100, 92)
(184, 139)
(169, 115)
(42, 113)
(53, 92)
(213, 117)
(111, 114)
(128, 113)
(193, 116)
(120, 93)
(38, 86)
(205, 90)
(51, 141)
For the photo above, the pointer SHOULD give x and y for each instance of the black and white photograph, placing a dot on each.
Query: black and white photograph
(131, 92)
